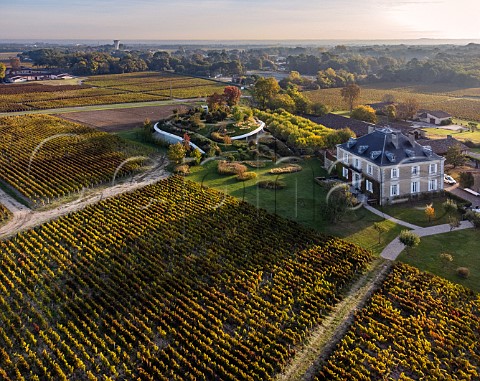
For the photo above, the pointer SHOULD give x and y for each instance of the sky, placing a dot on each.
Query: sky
(239, 19)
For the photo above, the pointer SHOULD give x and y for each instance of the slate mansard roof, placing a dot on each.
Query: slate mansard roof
(387, 147)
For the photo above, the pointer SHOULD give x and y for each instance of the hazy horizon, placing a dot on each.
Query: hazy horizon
(225, 20)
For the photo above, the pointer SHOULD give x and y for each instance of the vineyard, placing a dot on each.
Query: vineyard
(417, 326)
(301, 133)
(105, 89)
(36, 97)
(44, 157)
(4, 213)
(170, 282)
(463, 104)
(162, 84)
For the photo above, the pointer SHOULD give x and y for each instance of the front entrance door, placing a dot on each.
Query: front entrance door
(357, 179)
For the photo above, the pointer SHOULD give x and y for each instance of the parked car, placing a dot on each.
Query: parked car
(475, 209)
(449, 179)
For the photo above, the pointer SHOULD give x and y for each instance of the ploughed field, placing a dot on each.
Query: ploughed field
(170, 282)
(121, 119)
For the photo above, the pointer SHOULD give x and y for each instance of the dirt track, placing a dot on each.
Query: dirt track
(116, 120)
(25, 218)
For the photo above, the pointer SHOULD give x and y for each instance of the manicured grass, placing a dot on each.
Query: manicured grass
(440, 133)
(296, 202)
(414, 212)
(462, 244)
(135, 136)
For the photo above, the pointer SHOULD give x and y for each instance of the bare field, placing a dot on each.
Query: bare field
(124, 119)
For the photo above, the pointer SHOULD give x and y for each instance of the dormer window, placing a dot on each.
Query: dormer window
(351, 142)
(375, 154)
(390, 156)
(362, 149)
(410, 152)
(427, 150)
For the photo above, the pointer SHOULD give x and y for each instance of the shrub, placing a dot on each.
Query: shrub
(291, 168)
(226, 168)
(270, 184)
(365, 113)
(460, 201)
(244, 176)
(218, 137)
(183, 169)
(466, 179)
(463, 272)
(473, 217)
(409, 239)
(256, 164)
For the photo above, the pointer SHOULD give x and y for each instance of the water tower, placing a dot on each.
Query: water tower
(116, 44)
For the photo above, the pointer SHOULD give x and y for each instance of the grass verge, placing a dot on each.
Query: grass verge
(461, 244)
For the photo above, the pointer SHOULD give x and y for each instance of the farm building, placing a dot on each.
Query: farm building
(437, 117)
(441, 146)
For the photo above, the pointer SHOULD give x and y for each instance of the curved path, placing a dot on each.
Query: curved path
(390, 218)
(25, 218)
(394, 248)
(251, 133)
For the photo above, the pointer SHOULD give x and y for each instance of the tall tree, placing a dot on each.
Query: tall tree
(350, 94)
(407, 109)
(265, 90)
(215, 101)
(14, 62)
(380, 228)
(2, 71)
(365, 113)
(454, 156)
(176, 152)
(232, 95)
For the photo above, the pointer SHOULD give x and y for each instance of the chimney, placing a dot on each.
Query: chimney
(449, 137)
(371, 128)
(395, 139)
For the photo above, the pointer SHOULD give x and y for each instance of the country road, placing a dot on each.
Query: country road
(24, 218)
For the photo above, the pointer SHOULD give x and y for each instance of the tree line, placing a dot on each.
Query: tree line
(328, 66)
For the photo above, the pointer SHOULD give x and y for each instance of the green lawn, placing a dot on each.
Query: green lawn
(135, 136)
(462, 244)
(414, 212)
(439, 133)
(296, 202)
